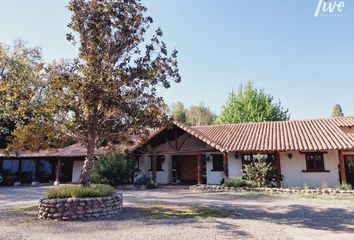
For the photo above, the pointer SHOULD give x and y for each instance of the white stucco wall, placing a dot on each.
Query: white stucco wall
(292, 168)
(235, 165)
(162, 177)
(213, 177)
(77, 166)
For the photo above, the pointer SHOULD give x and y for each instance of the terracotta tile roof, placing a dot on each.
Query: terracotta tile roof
(301, 135)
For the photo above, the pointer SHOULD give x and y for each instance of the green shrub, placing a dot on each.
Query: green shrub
(67, 191)
(259, 172)
(344, 186)
(114, 169)
(237, 182)
(144, 181)
(306, 186)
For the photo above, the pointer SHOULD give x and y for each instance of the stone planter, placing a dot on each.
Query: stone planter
(80, 208)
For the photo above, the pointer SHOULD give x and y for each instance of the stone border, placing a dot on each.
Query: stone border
(80, 208)
(219, 188)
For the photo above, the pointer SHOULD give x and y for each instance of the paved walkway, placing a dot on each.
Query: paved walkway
(257, 217)
(11, 197)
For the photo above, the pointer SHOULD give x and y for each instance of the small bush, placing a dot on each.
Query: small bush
(144, 181)
(238, 182)
(114, 169)
(260, 172)
(344, 187)
(306, 186)
(67, 191)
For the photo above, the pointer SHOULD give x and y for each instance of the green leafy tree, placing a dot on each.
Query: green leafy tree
(337, 111)
(22, 97)
(199, 115)
(249, 104)
(109, 92)
(179, 112)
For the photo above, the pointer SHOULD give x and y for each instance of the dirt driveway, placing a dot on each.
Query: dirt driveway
(256, 217)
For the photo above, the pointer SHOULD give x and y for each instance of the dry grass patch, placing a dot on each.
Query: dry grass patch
(161, 211)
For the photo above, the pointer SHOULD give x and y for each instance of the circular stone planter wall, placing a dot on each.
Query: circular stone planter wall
(80, 208)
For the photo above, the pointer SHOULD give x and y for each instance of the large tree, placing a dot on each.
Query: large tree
(199, 115)
(109, 92)
(337, 111)
(250, 104)
(21, 94)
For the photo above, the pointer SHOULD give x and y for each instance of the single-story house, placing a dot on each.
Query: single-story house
(42, 166)
(316, 152)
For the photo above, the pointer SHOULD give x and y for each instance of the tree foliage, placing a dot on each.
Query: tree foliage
(249, 104)
(22, 99)
(337, 111)
(114, 169)
(179, 112)
(108, 92)
(195, 115)
(199, 115)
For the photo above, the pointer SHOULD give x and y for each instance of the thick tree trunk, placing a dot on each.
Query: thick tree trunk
(87, 168)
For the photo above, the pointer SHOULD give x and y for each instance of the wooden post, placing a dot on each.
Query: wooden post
(53, 169)
(199, 168)
(57, 177)
(277, 168)
(36, 171)
(226, 166)
(19, 170)
(154, 168)
(343, 175)
(1, 164)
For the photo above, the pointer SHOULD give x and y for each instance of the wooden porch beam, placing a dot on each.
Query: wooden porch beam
(19, 170)
(199, 168)
(168, 141)
(226, 166)
(57, 177)
(176, 139)
(154, 168)
(277, 168)
(343, 175)
(183, 141)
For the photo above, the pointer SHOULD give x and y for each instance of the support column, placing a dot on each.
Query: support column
(226, 166)
(36, 173)
(19, 170)
(53, 169)
(277, 168)
(154, 168)
(1, 164)
(343, 176)
(57, 177)
(199, 168)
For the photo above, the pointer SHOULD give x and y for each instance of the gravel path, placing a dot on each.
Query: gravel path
(257, 217)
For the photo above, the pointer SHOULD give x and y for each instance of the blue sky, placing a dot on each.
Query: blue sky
(306, 62)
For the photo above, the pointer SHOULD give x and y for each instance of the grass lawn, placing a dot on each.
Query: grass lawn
(164, 211)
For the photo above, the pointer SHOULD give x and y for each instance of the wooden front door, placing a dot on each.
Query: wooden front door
(188, 168)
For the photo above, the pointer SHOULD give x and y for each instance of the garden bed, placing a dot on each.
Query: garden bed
(219, 188)
(80, 208)
(71, 202)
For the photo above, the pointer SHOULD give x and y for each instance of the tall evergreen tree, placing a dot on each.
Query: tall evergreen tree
(337, 111)
(249, 104)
